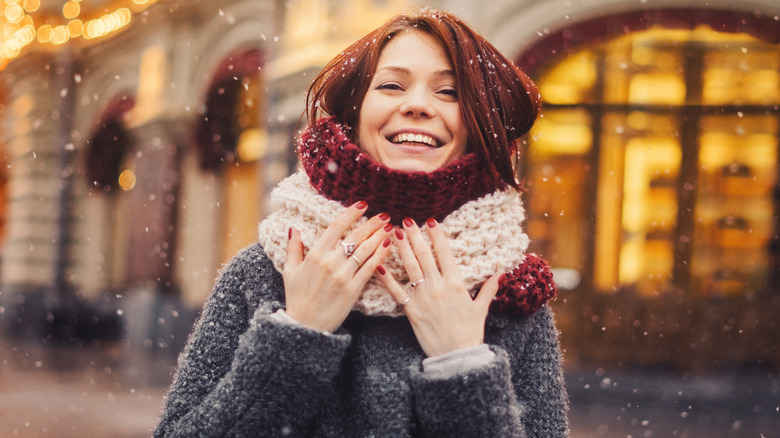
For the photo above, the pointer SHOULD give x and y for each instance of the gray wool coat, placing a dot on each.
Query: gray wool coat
(244, 374)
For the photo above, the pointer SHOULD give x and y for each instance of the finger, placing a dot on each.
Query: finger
(395, 289)
(421, 248)
(335, 230)
(488, 291)
(368, 246)
(367, 269)
(408, 258)
(363, 233)
(294, 249)
(441, 247)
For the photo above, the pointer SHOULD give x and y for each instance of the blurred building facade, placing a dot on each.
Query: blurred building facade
(140, 145)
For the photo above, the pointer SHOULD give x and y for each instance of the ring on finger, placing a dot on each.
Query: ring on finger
(349, 248)
(357, 260)
(417, 283)
(405, 301)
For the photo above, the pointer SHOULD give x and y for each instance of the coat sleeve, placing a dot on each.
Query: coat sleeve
(243, 373)
(518, 394)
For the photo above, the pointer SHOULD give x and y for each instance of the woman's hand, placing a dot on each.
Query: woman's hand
(442, 313)
(321, 289)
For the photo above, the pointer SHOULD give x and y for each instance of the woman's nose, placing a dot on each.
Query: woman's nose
(417, 104)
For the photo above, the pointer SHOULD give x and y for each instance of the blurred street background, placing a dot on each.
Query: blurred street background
(85, 391)
(139, 140)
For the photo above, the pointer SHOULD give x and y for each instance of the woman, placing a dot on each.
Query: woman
(349, 319)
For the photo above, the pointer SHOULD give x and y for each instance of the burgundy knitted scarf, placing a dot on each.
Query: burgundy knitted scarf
(339, 170)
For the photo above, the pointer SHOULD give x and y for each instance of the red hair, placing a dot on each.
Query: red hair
(498, 102)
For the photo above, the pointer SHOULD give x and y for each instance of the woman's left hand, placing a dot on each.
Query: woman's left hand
(443, 315)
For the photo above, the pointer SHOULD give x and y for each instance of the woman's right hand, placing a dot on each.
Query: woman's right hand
(321, 289)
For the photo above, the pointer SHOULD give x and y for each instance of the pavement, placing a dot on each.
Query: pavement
(108, 391)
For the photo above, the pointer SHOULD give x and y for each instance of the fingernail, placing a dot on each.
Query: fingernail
(384, 217)
(388, 227)
(408, 222)
(289, 233)
(360, 205)
(381, 270)
(399, 234)
(386, 243)
(431, 222)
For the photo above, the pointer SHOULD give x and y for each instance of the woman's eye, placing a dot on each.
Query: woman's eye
(449, 92)
(389, 86)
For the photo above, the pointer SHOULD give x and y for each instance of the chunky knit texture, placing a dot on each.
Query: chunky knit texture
(341, 171)
(243, 374)
(485, 237)
(481, 219)
(525, 288)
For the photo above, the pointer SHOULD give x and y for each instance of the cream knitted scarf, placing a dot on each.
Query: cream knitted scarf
(485, 236)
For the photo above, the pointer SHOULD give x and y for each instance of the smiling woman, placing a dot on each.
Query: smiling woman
(347, 318)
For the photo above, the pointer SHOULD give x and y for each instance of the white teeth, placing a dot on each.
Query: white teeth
(415, 138)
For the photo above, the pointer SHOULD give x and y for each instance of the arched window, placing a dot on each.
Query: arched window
(231, 139)
(109, 173)
(653, 173)
(660, 147)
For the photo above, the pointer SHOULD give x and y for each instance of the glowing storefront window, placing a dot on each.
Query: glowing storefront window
(667, 141)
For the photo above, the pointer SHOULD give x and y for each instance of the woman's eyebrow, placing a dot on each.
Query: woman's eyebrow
(407, 71)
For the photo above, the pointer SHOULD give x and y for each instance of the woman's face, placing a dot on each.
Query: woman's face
(410, 119)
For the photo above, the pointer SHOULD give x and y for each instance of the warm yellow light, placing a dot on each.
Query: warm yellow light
(570, 81)
(107, 23)
(44, 33)
(59, 35)
(71, 9)
(9, 29)
(14, 13)
(11, 48)
(127, 179)
(124, 15)
(26, 34)
(657, 88)
(94, 29)
(75, 28)
(251, 145)
(32, 5)
(562, 133)
(18, 29)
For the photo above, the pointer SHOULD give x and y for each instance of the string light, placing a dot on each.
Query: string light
(21, 27)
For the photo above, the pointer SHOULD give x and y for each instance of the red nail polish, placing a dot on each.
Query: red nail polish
(431, 222)
(360, 205)
(381, 270)
(388, 227)
(408, 222)
(386, 243)
(289, 233)
(384, 217)
(399, 234)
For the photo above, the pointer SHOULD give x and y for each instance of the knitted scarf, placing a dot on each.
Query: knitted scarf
(482, 219)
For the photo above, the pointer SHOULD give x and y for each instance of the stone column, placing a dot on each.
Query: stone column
(39, 152)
